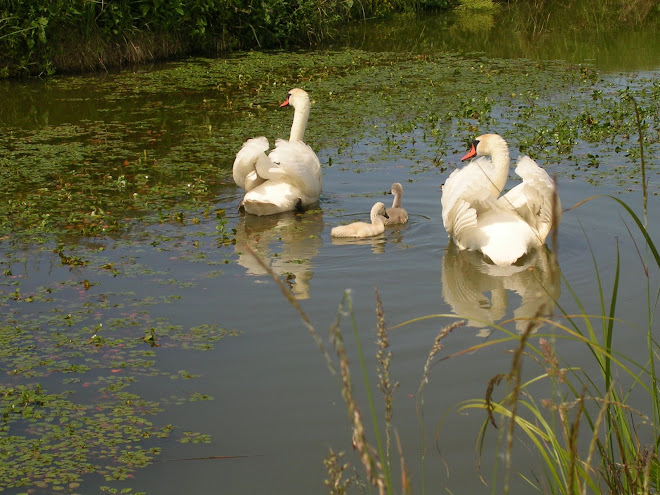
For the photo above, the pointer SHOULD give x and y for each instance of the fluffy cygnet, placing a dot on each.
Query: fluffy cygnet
(364, 229)
(396, 214)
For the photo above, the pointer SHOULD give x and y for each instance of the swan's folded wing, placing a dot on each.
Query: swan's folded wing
(246, 160)
(252, 180)
(460, 219)
(300, 164)
(471, 185)
(271, 197)
(267, 169)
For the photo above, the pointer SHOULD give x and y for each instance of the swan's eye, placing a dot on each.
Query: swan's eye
(475, 143)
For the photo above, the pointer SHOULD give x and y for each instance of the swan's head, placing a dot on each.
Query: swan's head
(297, 98)
(486, 145)
(397, 189)
(379, 209)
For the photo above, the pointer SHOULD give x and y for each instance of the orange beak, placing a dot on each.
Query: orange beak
(471, 153)
(286, 103)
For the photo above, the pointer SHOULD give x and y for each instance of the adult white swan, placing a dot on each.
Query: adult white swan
(287, 178)
(506, 227)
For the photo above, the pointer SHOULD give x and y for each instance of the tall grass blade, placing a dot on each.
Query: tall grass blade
(610, 323)
(633, 215)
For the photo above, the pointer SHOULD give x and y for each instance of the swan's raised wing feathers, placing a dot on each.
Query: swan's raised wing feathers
(470, 185)
(252, 151)
(463, 217)
(297, 162)
(534, 198)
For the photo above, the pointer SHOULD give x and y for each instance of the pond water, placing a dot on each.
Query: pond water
(142, 343)
(571, 31)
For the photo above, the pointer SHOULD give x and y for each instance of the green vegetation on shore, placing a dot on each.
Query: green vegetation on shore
(44, 37)
(47, 36)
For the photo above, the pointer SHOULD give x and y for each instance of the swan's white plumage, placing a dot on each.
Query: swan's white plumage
(503, 228)
(287, 178)
(363, 229)
(296, 161)
(534, 198)
(396, 214)
(244, 170)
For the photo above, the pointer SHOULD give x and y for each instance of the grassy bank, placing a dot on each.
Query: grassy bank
(43, 37)
(47, 36)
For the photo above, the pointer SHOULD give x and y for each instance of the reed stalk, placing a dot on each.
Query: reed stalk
(385, 385)
(335, 467)
(374, 468)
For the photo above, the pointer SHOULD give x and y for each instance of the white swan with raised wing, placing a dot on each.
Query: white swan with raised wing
(287, 178)
(506, 227)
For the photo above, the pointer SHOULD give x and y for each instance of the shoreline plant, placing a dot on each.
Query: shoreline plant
(44, 37)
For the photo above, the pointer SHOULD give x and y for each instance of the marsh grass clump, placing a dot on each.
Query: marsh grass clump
(477, 4)
(587, 436)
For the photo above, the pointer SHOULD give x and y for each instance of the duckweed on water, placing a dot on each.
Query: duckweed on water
(147, 141)
(73, 352)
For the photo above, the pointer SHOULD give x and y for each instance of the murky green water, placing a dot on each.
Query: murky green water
(575, 32)
(144, 349)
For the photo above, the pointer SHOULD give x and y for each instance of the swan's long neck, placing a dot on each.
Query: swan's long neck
(300, 117)
(397, 200)
(501, 160)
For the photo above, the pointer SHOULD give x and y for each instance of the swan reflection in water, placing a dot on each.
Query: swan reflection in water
(286, 242)
(467, 278)
(377, 242)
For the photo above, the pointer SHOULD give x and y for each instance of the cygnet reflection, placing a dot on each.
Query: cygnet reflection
(478, 291)
(377, 243)
(286, 242)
